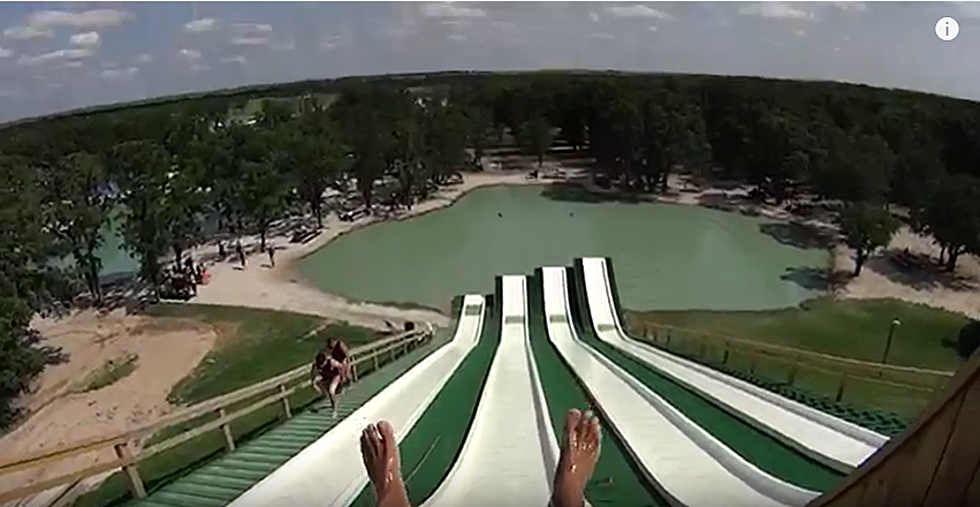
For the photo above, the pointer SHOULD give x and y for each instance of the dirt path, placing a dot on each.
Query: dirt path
(166, 351)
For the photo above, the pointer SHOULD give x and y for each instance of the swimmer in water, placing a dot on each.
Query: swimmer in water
(500, 214)
(579, 452)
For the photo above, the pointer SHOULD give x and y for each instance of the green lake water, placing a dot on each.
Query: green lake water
(667, 257)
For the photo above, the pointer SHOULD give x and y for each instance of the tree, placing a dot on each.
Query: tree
(673, 134)
(79, 193)
(866, 227)
(29, 283)
(317, 157)
(443, 138)
(952, 217)
(264, 185)
(142, 169)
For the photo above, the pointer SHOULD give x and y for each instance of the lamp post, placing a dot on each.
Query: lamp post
(888, 343)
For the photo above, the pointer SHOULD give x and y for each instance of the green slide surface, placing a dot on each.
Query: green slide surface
(617, 480)
(745, 439)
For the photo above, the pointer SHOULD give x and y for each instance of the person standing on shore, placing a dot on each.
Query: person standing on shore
(272, 256)
(240, 253)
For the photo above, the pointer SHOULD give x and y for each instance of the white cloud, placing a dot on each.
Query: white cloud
(638, 11)
(851, 6)
(201, 25)
(284, 46)
(5, 53)
(97, 18)
(119, 74)
(775, 10)
(449, 10)
(594, 16)
(252, 27)
(190, 54)
(457, 37)
(143, 59)
(73, 64)
(603, 36)
(199, 67)
(250, 41)
(239, 59)
(26, 32)
(87, 39)
(54, 56)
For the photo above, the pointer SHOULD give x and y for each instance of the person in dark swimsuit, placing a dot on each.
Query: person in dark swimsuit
(330, 370)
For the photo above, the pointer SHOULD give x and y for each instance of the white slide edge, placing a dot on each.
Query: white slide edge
(759, 480)
(847, 428)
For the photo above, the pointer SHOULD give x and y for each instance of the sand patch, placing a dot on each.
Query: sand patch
(880, 278)
(167, 351)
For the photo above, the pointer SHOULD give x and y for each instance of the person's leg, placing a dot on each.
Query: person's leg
(332, 393)
(380, 454)
(579, 453)
(322, 388)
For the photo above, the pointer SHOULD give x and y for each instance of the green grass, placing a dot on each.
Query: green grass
(254, 345)
(111, 372)
(856, 329)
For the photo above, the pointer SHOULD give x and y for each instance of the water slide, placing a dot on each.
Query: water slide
(329, 472)
(676, 454)
(838, 443)
(476, 419)
(508, 457)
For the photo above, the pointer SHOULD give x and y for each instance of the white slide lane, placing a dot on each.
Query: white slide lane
(837, 442)
(507, 456)
(329, 472)
(688, 464)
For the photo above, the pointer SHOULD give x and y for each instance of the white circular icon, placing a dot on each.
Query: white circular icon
(947, 29)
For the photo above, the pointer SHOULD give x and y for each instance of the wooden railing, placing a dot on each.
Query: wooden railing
(754, 356)
(128, 448)
(934, 463)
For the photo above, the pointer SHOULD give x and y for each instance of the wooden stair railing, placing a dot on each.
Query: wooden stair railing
(126, 446)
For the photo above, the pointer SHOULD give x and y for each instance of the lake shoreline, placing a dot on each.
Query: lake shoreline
(871, 284)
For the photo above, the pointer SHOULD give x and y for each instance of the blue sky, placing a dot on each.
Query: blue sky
(61, 55)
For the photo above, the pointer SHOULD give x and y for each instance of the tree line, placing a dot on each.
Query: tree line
(165, 167)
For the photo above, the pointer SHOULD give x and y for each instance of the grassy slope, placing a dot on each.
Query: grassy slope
(849, 328)
(253, 345)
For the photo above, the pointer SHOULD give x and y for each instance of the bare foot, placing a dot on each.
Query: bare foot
(579, 453)
(380, 453)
